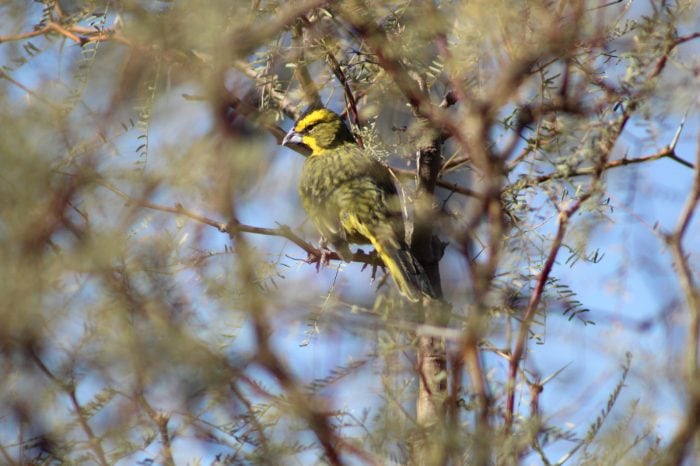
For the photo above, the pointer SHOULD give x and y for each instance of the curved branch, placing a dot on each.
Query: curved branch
(234, 227)
(535, 299)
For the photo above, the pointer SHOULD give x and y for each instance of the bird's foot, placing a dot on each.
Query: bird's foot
(373, 261)
(321, 257)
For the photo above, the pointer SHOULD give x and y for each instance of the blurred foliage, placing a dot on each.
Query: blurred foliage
(154, 298)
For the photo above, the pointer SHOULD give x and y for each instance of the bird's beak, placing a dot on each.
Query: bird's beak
(292, 137)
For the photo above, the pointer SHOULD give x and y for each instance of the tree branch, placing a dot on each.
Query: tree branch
(691, 423)
(234, 227)
(530, 312)
(667, 152)
(69, 389)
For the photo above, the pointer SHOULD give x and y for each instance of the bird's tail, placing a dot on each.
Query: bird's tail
(408, 274)
(404, 268)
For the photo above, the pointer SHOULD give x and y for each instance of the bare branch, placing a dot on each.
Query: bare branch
(234, 227)
(69, 389)
(530, 312)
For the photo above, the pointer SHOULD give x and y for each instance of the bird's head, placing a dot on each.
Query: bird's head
(319, 129)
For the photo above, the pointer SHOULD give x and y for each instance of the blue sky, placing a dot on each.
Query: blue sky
(633, 284)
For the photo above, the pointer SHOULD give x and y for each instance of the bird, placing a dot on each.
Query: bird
(351, 198)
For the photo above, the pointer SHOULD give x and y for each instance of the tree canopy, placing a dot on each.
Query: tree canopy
(165, 300)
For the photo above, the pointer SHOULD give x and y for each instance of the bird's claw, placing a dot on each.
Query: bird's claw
(373, 261)
(321, 258)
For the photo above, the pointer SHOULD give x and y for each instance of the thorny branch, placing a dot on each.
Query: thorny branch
(78, 34)
(664, 153)
(690, 424)
(69, 389)
(306, 407)
(161, 421)
(481, 158)
(535, 298)
(234, 227)
(431, 352)
(350, 100)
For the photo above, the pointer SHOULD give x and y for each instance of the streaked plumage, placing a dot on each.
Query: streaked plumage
(351, 198)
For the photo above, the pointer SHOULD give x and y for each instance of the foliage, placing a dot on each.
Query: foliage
(158, 307)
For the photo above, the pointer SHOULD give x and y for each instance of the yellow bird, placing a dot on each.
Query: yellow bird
(351, 198)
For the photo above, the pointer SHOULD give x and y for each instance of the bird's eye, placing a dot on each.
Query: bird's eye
(310, 127)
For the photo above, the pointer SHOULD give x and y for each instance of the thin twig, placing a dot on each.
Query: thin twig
(69, 389)
(161, 421)
(535, 298)
(254, 420)
(71, 32)
(233, 227)
(307, 407)
(661, 63)
(686, 276)
(301, 71)
(245, 39)
(349, 96)
(454, 187)
(6, 456)
(667, 152)
(7, 77)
